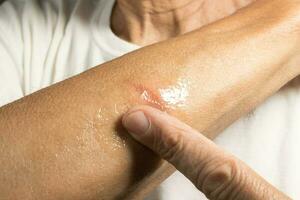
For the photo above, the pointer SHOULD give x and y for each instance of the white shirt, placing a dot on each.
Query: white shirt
(46, 41)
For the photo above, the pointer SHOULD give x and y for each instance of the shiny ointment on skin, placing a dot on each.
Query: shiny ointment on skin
(176, 95)
(170, 97)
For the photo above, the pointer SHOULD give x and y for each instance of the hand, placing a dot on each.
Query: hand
(215, 172)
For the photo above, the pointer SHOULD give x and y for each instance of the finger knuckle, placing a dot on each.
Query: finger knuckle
(170, 144)
(219, 179)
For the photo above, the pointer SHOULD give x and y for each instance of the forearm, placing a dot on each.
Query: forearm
(66, 141)
(228, 67)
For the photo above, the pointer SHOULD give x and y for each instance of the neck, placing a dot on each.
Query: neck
(148, 21)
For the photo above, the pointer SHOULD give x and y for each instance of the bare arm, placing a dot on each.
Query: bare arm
(66, 142)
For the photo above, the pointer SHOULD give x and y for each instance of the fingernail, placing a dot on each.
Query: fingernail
(136, 123)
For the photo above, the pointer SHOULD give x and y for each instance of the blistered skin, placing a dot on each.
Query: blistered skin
(166, 98)
(149, 96)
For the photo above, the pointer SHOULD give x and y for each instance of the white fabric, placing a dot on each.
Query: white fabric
(46, 41)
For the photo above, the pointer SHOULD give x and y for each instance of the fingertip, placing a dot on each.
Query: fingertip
(144, 108)
(136, 122)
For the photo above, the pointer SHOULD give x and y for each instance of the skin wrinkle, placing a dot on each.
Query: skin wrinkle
(228, 180)
(149, 21)
(168, 10)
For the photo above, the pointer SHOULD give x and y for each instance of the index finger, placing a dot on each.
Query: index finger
(215, 172)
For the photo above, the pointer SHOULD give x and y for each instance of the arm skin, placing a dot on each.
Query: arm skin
(66, 141)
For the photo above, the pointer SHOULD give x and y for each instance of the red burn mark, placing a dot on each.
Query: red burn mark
(151, 98)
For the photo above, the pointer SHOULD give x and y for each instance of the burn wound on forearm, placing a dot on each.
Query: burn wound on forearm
(165, 98)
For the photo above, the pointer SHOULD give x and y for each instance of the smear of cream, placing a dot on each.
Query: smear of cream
(176, 95)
